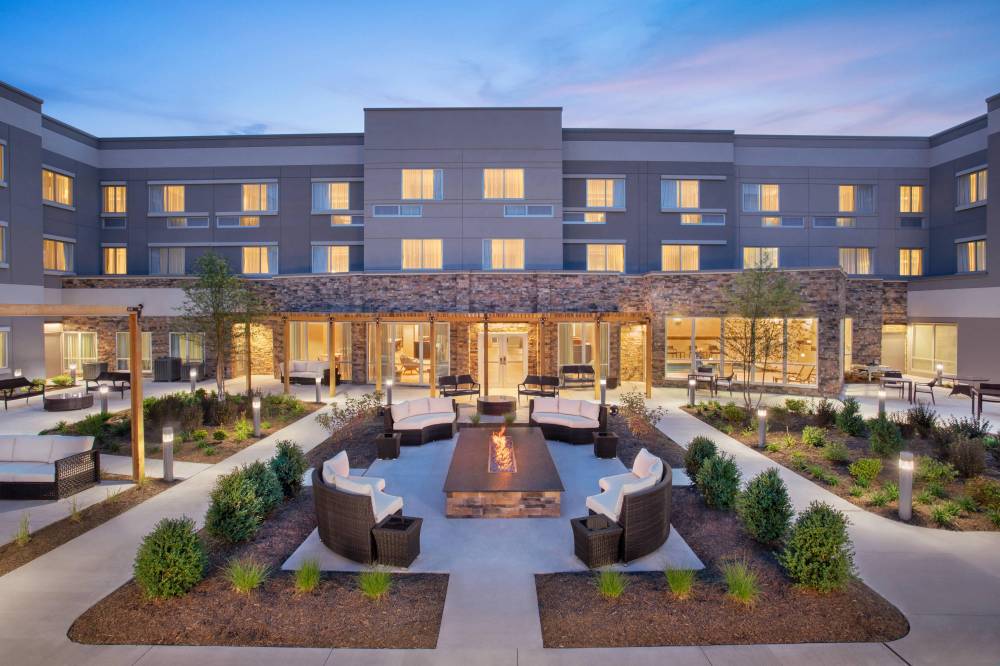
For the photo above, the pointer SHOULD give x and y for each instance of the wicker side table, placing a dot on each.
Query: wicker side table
(397, 540)
(605, 444)
(387, 445)
(595, 540)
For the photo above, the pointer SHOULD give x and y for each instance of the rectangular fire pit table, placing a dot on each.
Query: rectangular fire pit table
(472, 491)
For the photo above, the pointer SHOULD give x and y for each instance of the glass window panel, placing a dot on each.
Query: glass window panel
(911, 261)
(856, 260)
(760, 257)
(113, 198)
(922, 348)
(679, 346)
(122, 351)
(503, 183)
(802, 349)
(114, 261)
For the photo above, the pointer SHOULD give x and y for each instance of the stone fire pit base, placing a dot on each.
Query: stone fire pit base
(500, 504)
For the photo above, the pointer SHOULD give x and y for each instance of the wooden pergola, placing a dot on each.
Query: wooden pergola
(484, 318)
(134, 363)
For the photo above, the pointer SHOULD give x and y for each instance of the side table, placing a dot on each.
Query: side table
(605, 444)
(595, 540)
(397, 540)
(387, 445)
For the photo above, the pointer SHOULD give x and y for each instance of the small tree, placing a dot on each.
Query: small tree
(250, 309)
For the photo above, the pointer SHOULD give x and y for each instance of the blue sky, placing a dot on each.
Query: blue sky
(176, 68)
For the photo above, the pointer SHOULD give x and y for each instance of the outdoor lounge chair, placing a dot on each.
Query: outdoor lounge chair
(538, 386)
(925, 387)
(724, 382)
(422, 420)
(565, 420)
(984, 393)
(47, 466)
(17, 388)
(451, 386)
(577, 376)
(346, 514)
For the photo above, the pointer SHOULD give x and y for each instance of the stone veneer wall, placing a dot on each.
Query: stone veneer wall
(871, 304)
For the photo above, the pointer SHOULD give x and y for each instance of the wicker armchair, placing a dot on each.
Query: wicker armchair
(344, 520)
(645, 519)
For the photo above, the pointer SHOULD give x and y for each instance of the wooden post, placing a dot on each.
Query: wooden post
(249, 362)
(484, 353)
(539, 370)
(135, 380)
(649, 358)
(597, 358)
(378, 355)
(287, 355)
(433, 359)
(331, 340)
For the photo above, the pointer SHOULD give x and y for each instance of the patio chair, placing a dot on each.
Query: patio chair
(985, 393)
(887, 381)
(925, 387)
(724, 382)
(345, 519)
(538, 386)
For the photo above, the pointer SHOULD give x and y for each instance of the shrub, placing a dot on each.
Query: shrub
(307, 576)
(856, 490)
(245, 574)
(171, 559)
(992, 445)
(200, 435)
(966, 504)
(818, 554)
(242, 430)
(719, 481)
(375, 583)
(826, 413)
(741, 582)
(865, 470)
(798, 460)
(61, 381)
(970, 427)
(922, 418)
(884, 437)
(611, 584)
(994, 516)
(681, 582)
(208, 450)
(733, 413)
(219, 435)
(220, 411)
(182, 411)
(698, 451)
(931, 469)
(968, 456)
(289, 464)
(23, 534)
(836, 452)
(764, 507)
(266, 485)
(639, 419)
(234, 513)
(279, 405)
(813, 436)
(936, 490)
(820, 474)
(985, 492)
(888, 493)
(925, 497)
(796, 406)
(945, 514)
(849, 420)
(352, 414)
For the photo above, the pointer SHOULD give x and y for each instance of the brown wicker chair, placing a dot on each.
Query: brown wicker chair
(645, 519)
(344, 520)
(566, 434)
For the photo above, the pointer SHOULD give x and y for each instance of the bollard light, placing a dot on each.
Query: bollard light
(881, 403)
(604, 391)
(255, 403)
(940, 370)
(319, 381)
(692, 383)
(17, 372)
(762, 427)
(103, 391)
(905, 485)
(72, 372)
(193, 374)
(168, 453)
(388, 392)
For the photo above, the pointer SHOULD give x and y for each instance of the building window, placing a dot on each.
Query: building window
(331, 258)
(189, 347)
(930, 345)
(187, 223)
(422, 254)
(834, 222)
(259, 197)
(576, 345)
(856, 260)
(528, 210)
(503, 254)
(911, 223)
(114, 261)
(681, 194)
(714, 220)
(328, 197)
(113, 199)
(260, 260)
(760, 257)
(406, 210)
(3, 163)
(3, 243)
(971, 256)
(972, 188)
(166, 261)
(581, 217)
(57, 187)
(423, 184)
(761, 197)
(680, 257)
(608, 257)
(605, 193)
(4, 343)
(856, 198)
(911, 198)
(338, 220)
(57, 255)
(79, 348)
(788, 222)
(166, 198)
(503, 183)
(309, 343)
(237, 221)
(911, 261)
(122, 351)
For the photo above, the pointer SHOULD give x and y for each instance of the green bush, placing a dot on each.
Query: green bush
(200, 435)
(764, 507)
(235, 512)
(932, 469)
(681, 582)
(266, 485)
(375, 583)
(219, 435)
(242, 430)
(610, 583)
(922, 418)
(61, 381)
(826, 413)
(818, 554)
(820, 474)
(884, 437)
(719, 481)
(182, 411)
(945, 515)
(699, 450)
(968, 456)
(289, 464)
(798, 460)
(836, 452)
(733, 413)
(220, 411)
(970, 427)
(796, 406)
(849, 420)
(307, 576)
(281, 406)
(245, 574)
(813, 436)
(741, 582)
(171, 559)
(865, 470)
(967, 504)
(985, 492)
(888, 493)
(856, 490)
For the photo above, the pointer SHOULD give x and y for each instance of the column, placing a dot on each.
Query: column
(331, 339)
(539, 370)
(135, 380)
(378, 355)
(484, 353)
(649, 358)
(246, 335)
(433, 361)
(597, 358)
(286, 345)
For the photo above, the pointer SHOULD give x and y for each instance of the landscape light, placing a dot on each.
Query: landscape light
(905, 485)
(168, 453)
(255, 404)
(103, 391)
(762, 427)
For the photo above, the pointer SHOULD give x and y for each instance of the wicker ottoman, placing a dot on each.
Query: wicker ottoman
(397, 540)
(605, 444)
(387, 445)
(595, 540)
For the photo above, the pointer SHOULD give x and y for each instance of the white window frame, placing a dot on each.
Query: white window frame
(524, 210)
(184, 341)
(488, 254)
(909, 199)
(503, 187)
(401, 210)
(598, 216)
(71, 264)
(173, 222)
(104, 199)
(423, 260)
(326, 247)
(855, 210)
(270, 196)
(239, 218)
(909, 252)
(964, 198)
(606, 246)
(856, 261)
(699, 219)
(69, 175)
(5, 347)
(325, 211)
(104, 261)
(272, 259)
(122, 357)
(617, 186)
(760, 251)
(437, 185)
(962, 250)
(171, 249)
(678, 185)
(79, 360)
(162, 188)
(680, 257)
(839, 222)
(754, 192)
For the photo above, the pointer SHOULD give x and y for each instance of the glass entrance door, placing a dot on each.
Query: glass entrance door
(508, 359)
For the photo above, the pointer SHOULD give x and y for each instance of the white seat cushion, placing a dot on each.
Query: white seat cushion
(373, 481)
(316, 367)
(32, 448)
(64, 447)
(638, 485)
(28, 472)
(590, 410)
(351, 485)
(570, 407)
(423, 420)
(298, 366)
(384, 505)
(567, 420)
(617, 480)
(546, 405)
(644, 460)
(6, 448)
(440, 405)
(336, 466)
(606, 504)
(419, 406)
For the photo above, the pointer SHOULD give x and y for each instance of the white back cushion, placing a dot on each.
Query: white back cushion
(642, 484)
(440, 405)
(548, 405)
(419, 406)
(299, 366)
(643, 462)
(6, 448)
(32, 448)
(571, 407)
(64, 447)
(400, 411)
(353, 487)
(590, 410)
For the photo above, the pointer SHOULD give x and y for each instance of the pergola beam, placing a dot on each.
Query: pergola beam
(60, 310)
(470, 317)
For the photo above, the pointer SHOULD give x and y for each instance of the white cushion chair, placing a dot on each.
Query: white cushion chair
(46, 466)
(307, 371)
(339, 467)
(647, 470)
(568, 420)
(422, 420)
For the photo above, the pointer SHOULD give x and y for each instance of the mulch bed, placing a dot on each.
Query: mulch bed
(573, 614)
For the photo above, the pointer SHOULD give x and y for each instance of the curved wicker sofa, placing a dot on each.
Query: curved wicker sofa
(645, 519)
(344, 520)
(569, 434)
(429, 433)
(47, 466)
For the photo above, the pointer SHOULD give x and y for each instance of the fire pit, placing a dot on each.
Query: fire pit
(502, 452)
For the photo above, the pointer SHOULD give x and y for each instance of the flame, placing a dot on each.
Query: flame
(503, 451)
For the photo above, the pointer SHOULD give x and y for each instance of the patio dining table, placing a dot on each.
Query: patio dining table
(907, 384)
(964, 384)
(705, 377)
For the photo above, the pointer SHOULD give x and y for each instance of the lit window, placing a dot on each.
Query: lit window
(580, 217)
(114, 261)
(260, 260)
(856, 260)
(3, 163)
(761, 197)
(911, 198)
(911, 261)
(606, 257)
(972, 188)
(714, 219)
(57, 187)
(393, 210)
(5, 347)
(527, 210)
(680, 257)
(338, 220)
(679, 194)
(834, 222)
(187, 222)
(605, 193)
(122, 353)
(237, 221)
(331, 258)
(113, 198)
(166, 198)
(423, 184)
(189, 347)
(57, 255)
(503, 183)
(166, 261)
(760, 257)
(503, 254)
(770, 221)
(330, 196)
(856, 198)
(422, 254)
(3, 243)
(971, 256)
(260, 197)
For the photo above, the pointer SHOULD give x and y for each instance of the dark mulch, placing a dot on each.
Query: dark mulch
(630, 444)
(359, 443)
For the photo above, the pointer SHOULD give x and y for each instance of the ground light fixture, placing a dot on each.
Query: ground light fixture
(692, 383)
(255, 404)
(762, 427)
(881, 403)
(72, 372)
(319, 382)
(193, 373)
(17, 372)
(103, 392)
(168, 453)
(388, 392)
(604, 391)
(905, 485)
(940, 370)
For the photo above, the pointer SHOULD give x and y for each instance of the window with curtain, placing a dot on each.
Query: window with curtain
(971, 256)
(113, 199)
(337, 220)
(3, 163)
(605, 193)
(331, 258)
(581, 217)
(423, 184)
(166, 261)
(57, 255)
(79, 348)
(931, 344)
(331, 196)
(856, 198)
(122, 351)
(911, 261)
(503, 183)
(761, 197)
(714, 219)
(503, 254)
(3, 244)
(57, 187)
(972, 188)
(5, 347)
(576, 345)
(911, 198)
(189, 347)
(261, 197)
(680, 257)
(114, 261)
(167, 198)
(606, 257)
(682, 194)
(760, 257)
(260, 260)
(856, 260)
(422, 254)
(834, 222)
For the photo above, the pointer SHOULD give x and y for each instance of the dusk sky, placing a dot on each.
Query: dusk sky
(179, 68)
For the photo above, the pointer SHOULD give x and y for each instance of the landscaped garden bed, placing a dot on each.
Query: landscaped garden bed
(957, 470)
